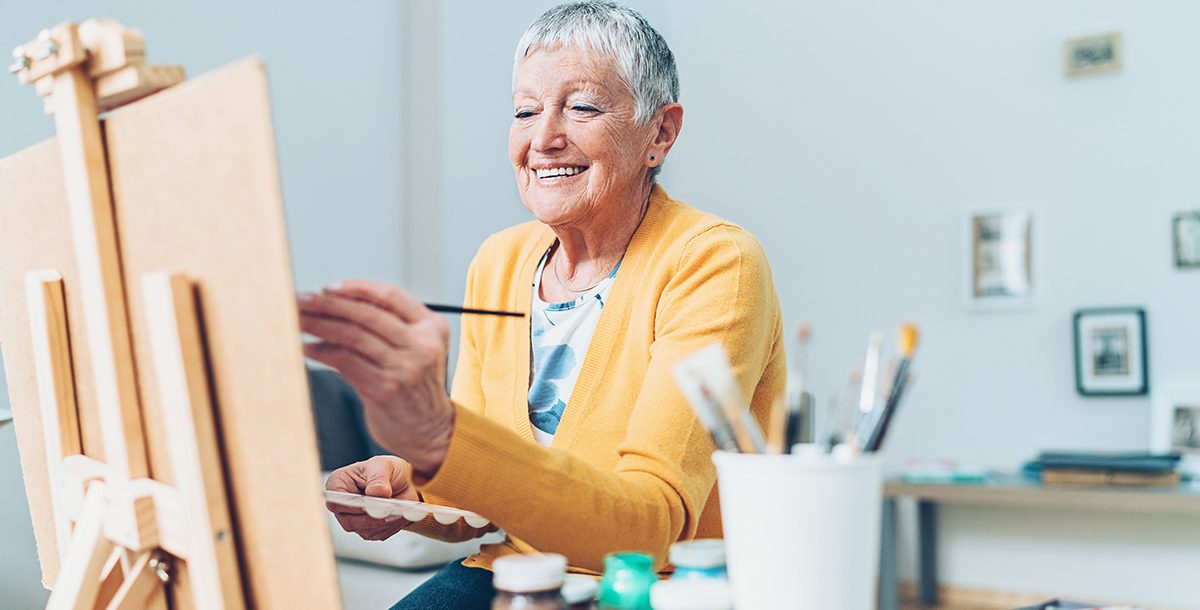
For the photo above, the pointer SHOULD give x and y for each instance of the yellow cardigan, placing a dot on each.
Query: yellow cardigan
(630, 465)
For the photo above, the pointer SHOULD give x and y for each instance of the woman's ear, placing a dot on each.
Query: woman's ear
(670, 121)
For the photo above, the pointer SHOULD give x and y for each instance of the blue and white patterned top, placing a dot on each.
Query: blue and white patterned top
(559, 335)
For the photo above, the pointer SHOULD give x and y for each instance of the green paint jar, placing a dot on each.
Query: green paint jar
(627, 581)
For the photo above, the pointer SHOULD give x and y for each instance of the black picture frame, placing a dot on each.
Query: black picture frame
(1111, 352)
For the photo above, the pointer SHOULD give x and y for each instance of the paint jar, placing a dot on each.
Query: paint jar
(627, 581)
(529, 582)
(700, 559)
(579, 591)
(692, 594)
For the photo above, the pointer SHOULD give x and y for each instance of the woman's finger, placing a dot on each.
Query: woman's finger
(341, 509)
(385, 476)
(347, 334)
(368, 315)
(369, 528)
(356, 523)
(345, 479)
(395, 300)
(359, 372)
(390, 529)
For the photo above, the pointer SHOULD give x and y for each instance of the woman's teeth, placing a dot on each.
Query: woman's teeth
(559, 171)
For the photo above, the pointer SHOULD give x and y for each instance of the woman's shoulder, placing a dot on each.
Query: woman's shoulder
(688, 230)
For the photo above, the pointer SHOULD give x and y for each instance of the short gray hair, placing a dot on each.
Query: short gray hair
(644, 61)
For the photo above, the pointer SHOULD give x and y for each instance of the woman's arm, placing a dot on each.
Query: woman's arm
(466, 389)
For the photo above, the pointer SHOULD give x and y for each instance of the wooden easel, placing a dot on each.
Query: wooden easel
(127, 527)
(178, 443)
(150, 338)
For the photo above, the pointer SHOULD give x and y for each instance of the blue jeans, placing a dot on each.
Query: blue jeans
(454, 587)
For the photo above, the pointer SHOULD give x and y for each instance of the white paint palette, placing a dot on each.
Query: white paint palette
(409, 509)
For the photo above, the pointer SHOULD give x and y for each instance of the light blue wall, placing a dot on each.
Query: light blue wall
(335, 77)
(850, 137)
(335, 80)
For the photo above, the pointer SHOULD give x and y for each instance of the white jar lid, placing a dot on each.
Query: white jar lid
(579, 588)
(702, 553)
(529, 573)
(691, 594)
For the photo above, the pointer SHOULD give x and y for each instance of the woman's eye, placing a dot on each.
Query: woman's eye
(585, 108)
(523, 114)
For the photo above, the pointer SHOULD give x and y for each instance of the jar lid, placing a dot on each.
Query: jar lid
(578, 588)
(691, 595)
(703, 553)
(529, 573)
(629, 560)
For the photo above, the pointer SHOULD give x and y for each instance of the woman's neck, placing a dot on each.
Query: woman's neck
(586, 254)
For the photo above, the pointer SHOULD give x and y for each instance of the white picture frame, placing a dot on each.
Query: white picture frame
(999, 259)
(1165, 430)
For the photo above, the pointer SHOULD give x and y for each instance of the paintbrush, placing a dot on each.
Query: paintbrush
(798, 416)
(778, 439)
(841, 417)
(468, 310)
(711, 371)
(749, 436)
(724, 432)
(707, 408)
(908, 345)
(866, 398)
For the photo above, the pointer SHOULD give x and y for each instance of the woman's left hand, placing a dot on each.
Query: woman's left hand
(392, 350)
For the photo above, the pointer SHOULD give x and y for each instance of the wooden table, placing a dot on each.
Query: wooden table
(1006, 490)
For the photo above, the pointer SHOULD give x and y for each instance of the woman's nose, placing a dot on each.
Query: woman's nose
(549, 134)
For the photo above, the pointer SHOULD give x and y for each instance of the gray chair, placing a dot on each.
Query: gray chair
(342, 436)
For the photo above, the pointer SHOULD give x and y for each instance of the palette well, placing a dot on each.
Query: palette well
(412, 510)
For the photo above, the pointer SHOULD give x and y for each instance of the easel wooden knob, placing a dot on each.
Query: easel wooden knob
(119, 529)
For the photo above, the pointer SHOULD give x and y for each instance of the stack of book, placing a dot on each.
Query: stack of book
(1058, 604)
(1098, 468)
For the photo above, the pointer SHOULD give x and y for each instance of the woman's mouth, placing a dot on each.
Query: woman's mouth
(557, 174)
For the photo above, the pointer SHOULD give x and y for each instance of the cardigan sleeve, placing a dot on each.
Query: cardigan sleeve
(721, 291)
(466, 389)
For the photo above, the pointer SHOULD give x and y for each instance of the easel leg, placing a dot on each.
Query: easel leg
(111, 577)
(56, 387)
(79, 579)
(85, 172)
(188, 417)
(140, 583)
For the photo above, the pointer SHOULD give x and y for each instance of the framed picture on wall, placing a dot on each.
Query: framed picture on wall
(1186, 233)
(1175, 423)
(999, 261)
(1110, 352)
(1092, 54)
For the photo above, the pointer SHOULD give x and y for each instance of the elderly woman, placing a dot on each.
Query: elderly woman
(565, 427)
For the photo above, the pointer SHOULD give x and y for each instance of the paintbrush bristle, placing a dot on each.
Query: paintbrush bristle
(803, 332)
(908, 340)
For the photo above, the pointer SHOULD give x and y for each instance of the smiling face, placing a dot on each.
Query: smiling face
(578, 154)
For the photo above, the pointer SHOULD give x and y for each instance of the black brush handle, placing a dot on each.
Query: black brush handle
(468, 310)
(876, 439)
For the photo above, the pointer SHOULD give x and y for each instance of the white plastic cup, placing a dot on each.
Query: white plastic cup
(801, 531)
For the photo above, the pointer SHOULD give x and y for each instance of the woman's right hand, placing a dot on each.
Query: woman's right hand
(383, 476)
